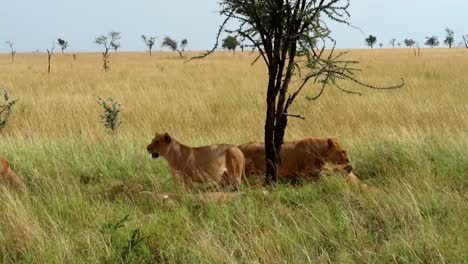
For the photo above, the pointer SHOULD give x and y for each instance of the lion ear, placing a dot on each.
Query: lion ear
(331, 143)
(167, 138)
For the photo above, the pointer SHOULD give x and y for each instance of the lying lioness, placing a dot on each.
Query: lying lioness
(304, 157)
(222, 164)
(8, 176)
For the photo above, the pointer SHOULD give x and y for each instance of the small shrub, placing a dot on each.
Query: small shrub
(128, 247)
(111, 116)
(6, 108)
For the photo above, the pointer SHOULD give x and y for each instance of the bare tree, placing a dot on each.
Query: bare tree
(62, 43)
(291, 37)
(417, 49)
(465, 40)
(149, 42)
(392, 42)
(50, 53)
(12, 51)
(107, 42)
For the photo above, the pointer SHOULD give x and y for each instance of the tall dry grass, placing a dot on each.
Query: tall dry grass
(411, 143)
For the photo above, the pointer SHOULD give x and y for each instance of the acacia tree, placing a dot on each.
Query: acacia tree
(183, 44)
(409, 42)
(449, 37)
(115, 44)
(392, 42)
(62, 43)
(432, 41)
(230, 43)
(291, 37)
(149, 42)
(107, 42)
(371, 40)
(171, 44)
(12, 51)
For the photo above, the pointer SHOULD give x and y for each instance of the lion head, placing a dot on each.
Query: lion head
(336, 153)
(159, 145)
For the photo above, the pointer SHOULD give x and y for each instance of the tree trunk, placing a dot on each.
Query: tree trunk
(270, 150)
(150, 51)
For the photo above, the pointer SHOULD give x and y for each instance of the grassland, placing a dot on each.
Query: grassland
(412, 144)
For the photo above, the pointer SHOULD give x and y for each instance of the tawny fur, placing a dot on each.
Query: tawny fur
(222, 164)
(8, 177)
(304, 157)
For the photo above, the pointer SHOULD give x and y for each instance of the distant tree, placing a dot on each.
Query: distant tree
(409, 42)
(12, 51)
(183, 44)
(230, 43)
(50, 53)
(149, 42)
(171, 44)
(432, 41)
(115, 45)
(449, 37)
(62, 43)
(465, 40)
(392, 42)
(381, 45)
(371, 40)
(399, 45)
(107, 42)
(242, 47)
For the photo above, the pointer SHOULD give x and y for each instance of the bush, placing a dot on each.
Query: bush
(6, 108)
(111, 116)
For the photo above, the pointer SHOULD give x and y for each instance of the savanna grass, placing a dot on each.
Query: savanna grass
(411, 144)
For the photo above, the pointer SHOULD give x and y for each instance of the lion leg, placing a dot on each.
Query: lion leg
(180, 180)
(12, 179)
(235, 164)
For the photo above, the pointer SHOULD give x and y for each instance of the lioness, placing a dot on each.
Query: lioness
(8, 176)
(304, 157)
(222, 164)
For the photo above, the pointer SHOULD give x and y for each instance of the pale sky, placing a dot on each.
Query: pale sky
(34, 24)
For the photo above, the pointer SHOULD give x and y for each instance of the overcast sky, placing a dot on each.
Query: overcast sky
(34, 24)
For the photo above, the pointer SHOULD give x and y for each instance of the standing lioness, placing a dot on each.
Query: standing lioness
(8, 176)
(223, 164)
